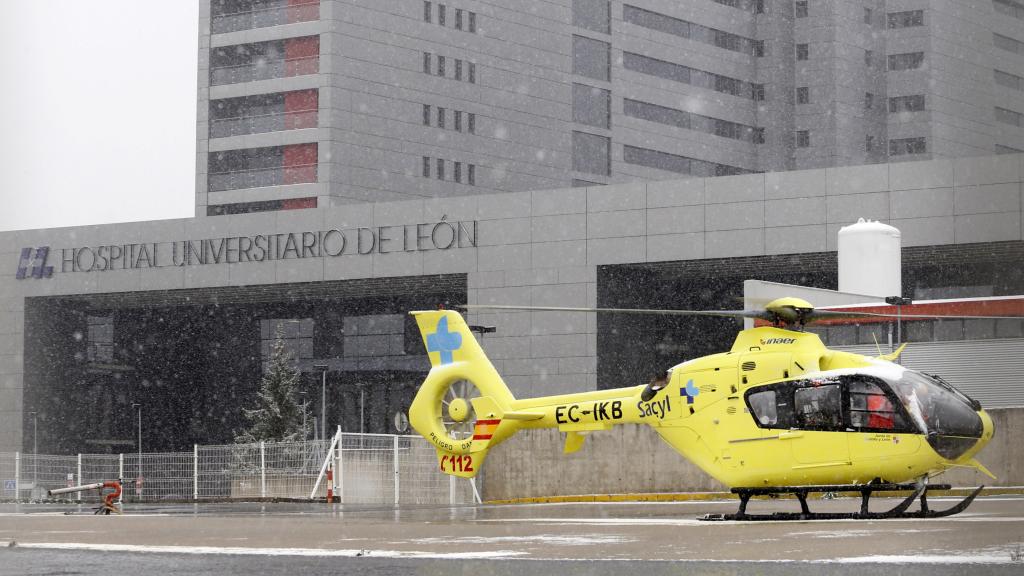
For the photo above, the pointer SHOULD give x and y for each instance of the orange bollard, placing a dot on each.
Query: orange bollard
(330, 486)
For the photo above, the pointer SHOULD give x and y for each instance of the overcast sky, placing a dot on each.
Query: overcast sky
(97, 111)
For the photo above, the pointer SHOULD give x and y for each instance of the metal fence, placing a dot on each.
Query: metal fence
(369, 468)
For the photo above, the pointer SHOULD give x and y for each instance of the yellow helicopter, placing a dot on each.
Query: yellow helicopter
(778, 413)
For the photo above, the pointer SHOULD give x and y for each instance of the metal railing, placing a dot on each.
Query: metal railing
(264, 17)
(372, 469)
(257, 178)
(276, 122)
(264, 69)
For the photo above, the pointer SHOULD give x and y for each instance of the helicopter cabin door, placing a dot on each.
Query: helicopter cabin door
(818, 437)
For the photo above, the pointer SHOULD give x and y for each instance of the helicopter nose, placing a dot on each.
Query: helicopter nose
(987, 431)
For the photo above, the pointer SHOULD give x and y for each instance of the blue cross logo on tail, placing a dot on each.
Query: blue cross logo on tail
(690, 391)
(444, 341)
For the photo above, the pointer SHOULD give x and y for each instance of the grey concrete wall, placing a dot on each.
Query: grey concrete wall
(634, 459)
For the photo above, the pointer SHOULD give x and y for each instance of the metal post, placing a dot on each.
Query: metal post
(35, 450)
(263, 470)
(305, 431)
(339, 477)
(80, 475)
(120, 475)
(396, 469)
(323, 399)
(451, 490)
(195, 471)
(17, 475)
(362, 404)
(138, 466)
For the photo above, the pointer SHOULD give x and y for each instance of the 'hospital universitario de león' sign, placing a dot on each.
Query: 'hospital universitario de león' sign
(330, 243)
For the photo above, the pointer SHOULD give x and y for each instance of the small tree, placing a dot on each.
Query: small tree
(277, 416)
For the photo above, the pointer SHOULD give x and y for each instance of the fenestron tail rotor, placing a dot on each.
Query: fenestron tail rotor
(456, 410)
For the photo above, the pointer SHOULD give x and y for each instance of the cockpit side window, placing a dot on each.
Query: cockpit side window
(871, 408)
(772, 406)
(819, 407)
(764, 408)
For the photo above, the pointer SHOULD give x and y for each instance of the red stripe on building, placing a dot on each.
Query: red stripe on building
(301, 55)
(300, 109)
(299, 163)
(303, 10)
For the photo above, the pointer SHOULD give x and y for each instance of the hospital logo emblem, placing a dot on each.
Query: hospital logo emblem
(33, 263)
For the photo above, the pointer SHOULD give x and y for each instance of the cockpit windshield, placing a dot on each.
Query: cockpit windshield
(936, 407)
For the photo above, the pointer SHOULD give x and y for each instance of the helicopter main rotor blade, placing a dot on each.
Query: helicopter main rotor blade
(718, 313)
(837, 314)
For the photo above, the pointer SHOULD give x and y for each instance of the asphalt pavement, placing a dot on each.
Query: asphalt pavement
(587, 538)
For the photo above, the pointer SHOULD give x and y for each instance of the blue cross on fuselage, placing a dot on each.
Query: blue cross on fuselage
(444, 341)
(690, 391)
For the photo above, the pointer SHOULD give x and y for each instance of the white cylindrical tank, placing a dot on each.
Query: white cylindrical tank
(869, 259)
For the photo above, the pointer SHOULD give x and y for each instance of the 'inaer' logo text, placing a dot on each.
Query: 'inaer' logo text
(39, 268)
(777, 340)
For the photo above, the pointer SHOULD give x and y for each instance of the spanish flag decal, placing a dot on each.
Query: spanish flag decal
(484, 429)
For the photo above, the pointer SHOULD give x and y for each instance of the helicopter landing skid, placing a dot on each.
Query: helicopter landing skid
(801, 492)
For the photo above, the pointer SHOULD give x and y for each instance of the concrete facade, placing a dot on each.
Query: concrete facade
(694, 67)
(540, 248)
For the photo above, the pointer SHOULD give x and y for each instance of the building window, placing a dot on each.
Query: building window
(591, 58)
(1008, 116)
(592, 15)
(440, 65)
(757, 92)
(458, 69)
(687, 75)
(440, 14)
(803, 95)
(440, 117)
(689, 120)
(426, 62)
(427, 11)
(1008, 80)
(471, 123)
(426, 166)
(867, 16)
(458, 19)
(908, 19)
(263, 113)
(471, 174)
(903, 146)
(591, 153)
(908, 61)
(869, 56)
(472, 73)
(913, 103)
(869, 143)
(869, 100)
(591, 105)
(803, 138)
(472, 22)
(1000, 149)
(803, 51)
(1010, 8)
(800, 9)
(458, 172)
(692, 30)
(426, 114)
(440, 169)
(1008, 44)
(458, 121)
(674, 163)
